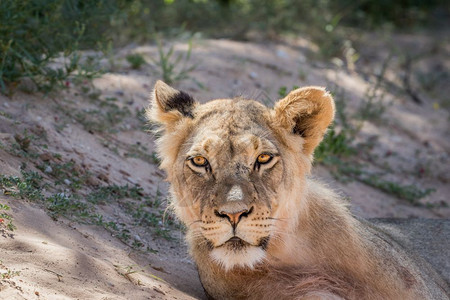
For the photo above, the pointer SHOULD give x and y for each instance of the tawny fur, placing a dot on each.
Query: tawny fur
(308, 245)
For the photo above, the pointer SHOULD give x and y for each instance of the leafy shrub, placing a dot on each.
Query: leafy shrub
(34, 32)
(135, 60)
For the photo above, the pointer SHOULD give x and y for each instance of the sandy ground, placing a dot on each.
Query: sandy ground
(66, 259)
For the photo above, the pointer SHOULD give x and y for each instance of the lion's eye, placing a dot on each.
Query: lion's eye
(199, 161)
(264, 158)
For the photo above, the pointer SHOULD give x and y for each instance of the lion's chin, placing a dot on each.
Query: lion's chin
(229, 256)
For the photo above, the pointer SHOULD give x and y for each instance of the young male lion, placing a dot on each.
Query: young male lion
(257, 226)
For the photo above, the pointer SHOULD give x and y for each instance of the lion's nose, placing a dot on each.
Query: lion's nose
(234, 217)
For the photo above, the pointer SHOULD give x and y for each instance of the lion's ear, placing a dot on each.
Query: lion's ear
(168, 105)
(308, 112)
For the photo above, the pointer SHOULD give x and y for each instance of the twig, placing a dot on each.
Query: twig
(57, 275)
(407, 81)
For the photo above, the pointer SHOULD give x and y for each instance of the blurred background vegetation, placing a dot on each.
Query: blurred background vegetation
(34, 32)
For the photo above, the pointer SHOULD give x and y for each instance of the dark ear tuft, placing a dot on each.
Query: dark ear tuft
(168, 106)
(181, 101)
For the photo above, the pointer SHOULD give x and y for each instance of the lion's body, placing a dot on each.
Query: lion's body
(258, 227)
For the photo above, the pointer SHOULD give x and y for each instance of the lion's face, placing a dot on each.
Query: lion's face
(231, 163)
(230, 168)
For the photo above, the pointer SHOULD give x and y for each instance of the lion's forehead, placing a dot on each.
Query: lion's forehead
(233, 113)
(227, 126)
(220, 144)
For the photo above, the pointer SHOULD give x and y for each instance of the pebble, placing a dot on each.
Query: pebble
(103, 176)
(282, 54)
(46, 156)
(62, 195)
(48, 169)
(132, 180)
(237, 83)
(253, 75)
(124, 172)
(93, 181)
(337, 62)
(67, 181)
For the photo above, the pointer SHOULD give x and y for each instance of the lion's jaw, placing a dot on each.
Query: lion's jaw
(242, 245)
(229, 258)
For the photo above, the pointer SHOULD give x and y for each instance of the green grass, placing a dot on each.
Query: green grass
(106, 194)
(409, 193)
(141, 152)
(65, 173)
(77, 205)
(106, 117)
(136, 61)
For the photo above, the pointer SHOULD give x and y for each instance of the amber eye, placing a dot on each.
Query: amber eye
(199, 161)
(263, 158)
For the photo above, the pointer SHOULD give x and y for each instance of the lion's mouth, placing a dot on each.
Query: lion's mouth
(236, 243)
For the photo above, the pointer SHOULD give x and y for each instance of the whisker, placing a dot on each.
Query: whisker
(193, 222)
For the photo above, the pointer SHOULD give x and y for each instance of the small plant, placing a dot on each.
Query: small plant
(105, 119)
(126, 271)
(9, 274)
(373, 107)
(26, 187)
(155, 158)
(110, 193)
(135, 60)
(61, 204)
(22, 145)
(407, 192)
(283, 91)
(173, 69)
(333, 144)
(6, 219)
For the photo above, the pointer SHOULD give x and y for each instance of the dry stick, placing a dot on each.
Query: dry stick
(407, 81)
(53, 272)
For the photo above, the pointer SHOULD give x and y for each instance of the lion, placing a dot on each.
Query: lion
(258, 227)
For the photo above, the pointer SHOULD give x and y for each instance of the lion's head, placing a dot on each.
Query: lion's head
(235, 165)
